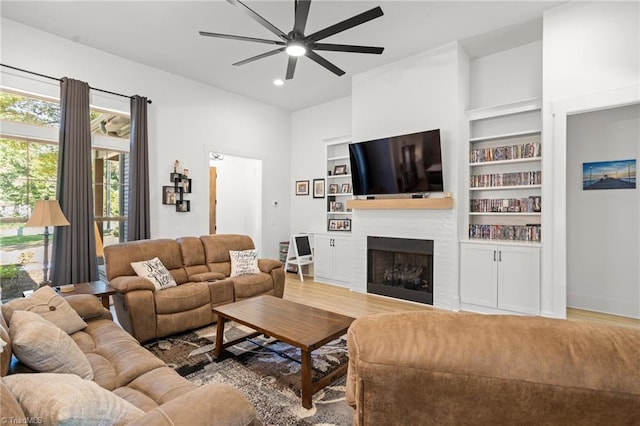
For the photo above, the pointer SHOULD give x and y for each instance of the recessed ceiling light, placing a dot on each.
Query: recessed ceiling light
(278, 82)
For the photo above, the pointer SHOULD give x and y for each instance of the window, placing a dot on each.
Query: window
(28, 172)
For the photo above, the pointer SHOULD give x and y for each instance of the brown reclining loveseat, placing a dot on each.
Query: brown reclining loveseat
(200, 266)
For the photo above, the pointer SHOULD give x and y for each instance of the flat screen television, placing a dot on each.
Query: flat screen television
(406, 164)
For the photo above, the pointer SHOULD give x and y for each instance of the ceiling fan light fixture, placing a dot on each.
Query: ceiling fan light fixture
(295, 48)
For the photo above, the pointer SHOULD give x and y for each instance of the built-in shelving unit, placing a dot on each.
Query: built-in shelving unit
(505, 179)
(500, 256)
(338, 189)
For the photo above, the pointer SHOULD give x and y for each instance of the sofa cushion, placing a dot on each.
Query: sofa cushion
(69, 400)
(155, 388)
(182, 298)
(5, 351)
(217, 247)
(9, 407)
(49, 305)
(154, 271)
(42, 346)
(119, 256)
(115, 356)
(244, 262)
(252, 285)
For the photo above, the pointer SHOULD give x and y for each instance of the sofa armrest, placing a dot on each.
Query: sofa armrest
(267, 265)
(88, 307)
(275, 269)
(127, 283)
(215, 403)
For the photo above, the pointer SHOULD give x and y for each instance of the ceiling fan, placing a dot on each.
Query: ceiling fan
(297, 44)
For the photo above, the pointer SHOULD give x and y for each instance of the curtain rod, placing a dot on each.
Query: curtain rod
(58, 79)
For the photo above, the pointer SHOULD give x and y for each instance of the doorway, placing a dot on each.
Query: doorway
(235, 196)
(603, 207)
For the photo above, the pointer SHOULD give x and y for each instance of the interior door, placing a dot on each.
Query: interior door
(213, 174)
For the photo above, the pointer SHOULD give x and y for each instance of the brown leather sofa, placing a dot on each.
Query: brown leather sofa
(444, 368)
(132, 373)
(201, 268)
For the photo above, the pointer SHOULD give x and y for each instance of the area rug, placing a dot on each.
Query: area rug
(267, 371)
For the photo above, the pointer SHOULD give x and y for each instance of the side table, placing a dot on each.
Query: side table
(97, 288)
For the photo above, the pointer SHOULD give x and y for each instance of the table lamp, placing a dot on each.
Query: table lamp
(46, 213)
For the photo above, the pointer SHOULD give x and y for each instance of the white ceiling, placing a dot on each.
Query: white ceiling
(164, 35)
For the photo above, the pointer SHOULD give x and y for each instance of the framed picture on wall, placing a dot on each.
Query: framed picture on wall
(618, 174)
(318, 188)
(346, 188)
(302, 187)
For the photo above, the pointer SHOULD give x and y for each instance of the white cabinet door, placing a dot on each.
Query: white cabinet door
(478, 274)
(323, 257)
(519, 279)
(342, 259)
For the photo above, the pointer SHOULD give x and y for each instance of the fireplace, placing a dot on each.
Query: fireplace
(400, 268)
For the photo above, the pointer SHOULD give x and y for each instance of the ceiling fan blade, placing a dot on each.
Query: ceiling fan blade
(346, 48)
(291, 67)
(262, 55)
(259, 19)
(302, 12)
(374, 13)
(322, 61)
(242, 38)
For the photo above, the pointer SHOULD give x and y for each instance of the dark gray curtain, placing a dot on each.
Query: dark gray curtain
(138, 215)
(74, 246)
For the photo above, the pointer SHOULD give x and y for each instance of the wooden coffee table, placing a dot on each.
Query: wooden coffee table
(299, 325)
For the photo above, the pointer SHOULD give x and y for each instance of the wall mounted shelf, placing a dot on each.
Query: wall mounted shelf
(402, 204)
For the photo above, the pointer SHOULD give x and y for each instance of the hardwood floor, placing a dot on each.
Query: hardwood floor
(354, 304)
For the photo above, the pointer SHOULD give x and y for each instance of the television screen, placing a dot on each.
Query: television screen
(406, 164)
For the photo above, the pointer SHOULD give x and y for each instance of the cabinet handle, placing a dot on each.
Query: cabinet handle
(500, 256)
(494, 255)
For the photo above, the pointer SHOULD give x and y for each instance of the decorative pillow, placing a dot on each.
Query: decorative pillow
(49, 305)
(66, 399)
(154, 271)
(244, 262)
(43, 347)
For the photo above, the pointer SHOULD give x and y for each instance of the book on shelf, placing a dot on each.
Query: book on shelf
(502, 153)
(531, 204)
(530, 232)
(533, 177)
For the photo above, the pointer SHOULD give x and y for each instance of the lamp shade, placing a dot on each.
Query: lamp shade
(47, 213)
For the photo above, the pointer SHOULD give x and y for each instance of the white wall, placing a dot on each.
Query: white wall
(589, 48)
(310, 128)
(187, 120)
(602, 234)
(507, 76)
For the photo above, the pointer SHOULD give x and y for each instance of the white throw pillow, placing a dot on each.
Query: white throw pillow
(42, 346)
(154, 271)
(244, 262)
(50, 306)
(66, 399)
